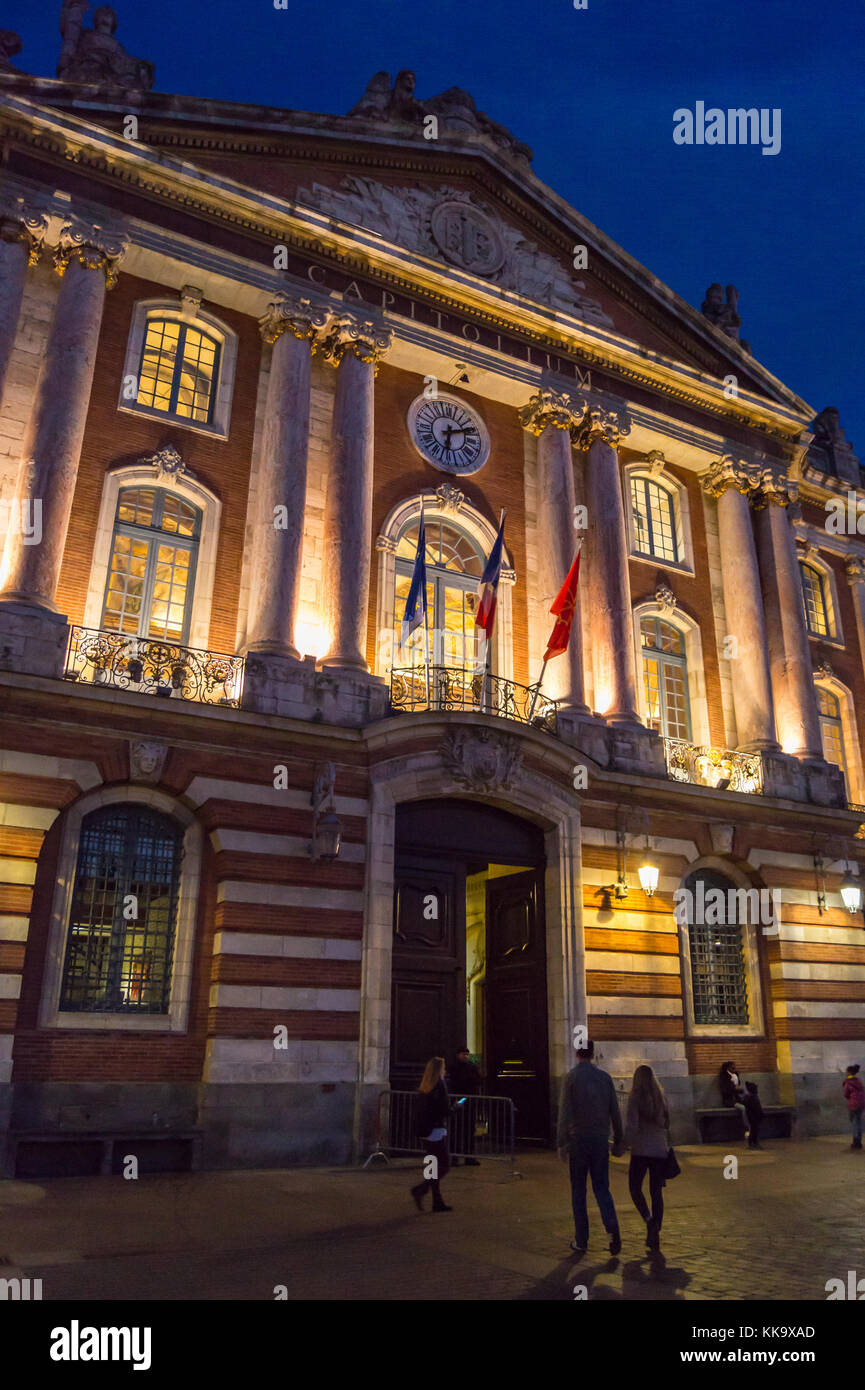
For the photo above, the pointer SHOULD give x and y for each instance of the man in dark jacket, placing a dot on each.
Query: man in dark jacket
(464, 1079)
(587, 1110)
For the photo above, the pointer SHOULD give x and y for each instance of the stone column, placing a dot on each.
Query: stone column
(855, 569)
(611, 622)
(22, 231)
(796, 717)
(354, 346)
(550, 417)
(87, 258)
(277, 534)
(731, 482)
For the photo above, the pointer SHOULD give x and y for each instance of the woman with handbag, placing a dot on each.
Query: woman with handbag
(647, 1136)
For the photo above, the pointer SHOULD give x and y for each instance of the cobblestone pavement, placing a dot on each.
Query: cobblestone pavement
(792, 1219)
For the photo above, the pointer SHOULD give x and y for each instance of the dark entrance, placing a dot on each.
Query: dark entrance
(469, 958)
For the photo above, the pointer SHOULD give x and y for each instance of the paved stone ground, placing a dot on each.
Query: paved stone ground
(792, 1219)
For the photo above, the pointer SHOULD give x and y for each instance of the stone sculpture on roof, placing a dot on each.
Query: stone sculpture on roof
(95, 55)
(831, 450)
(455, 110)
(10, 46)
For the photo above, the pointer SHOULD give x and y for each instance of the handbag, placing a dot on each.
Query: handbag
(671, 1165)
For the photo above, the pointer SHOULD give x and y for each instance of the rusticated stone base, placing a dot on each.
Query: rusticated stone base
(295, 689)
(33, 640)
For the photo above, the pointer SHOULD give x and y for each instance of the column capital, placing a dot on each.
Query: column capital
(773, 488)
(93, 246)
(600, 424)
(551, 408)
(288, 313)
(727, 472)
(365, 338)
(854, 568)
(23, 221)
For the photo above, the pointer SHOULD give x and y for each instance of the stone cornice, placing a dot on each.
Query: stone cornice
(272, 219)
(247, 129)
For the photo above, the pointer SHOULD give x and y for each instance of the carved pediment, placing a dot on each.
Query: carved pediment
(451, 225)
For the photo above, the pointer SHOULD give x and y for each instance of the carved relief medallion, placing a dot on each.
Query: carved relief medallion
(467, 237)
(481, 760)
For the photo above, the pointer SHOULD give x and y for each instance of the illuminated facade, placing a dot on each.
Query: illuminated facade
(240, 353)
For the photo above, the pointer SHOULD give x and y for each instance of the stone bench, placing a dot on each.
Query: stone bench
(720, 1124)
(67, 1153)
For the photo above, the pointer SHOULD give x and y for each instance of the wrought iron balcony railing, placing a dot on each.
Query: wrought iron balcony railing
(722, 768)
(460, 688)
(149, 666)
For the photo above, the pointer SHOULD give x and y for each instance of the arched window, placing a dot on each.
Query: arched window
(817, 612)
(120, 940)
(665, 679)
(152, 570)
(832, 729)
(454, 566)
(719, 975)
(180, 364)
(654, 520)
(178, 370)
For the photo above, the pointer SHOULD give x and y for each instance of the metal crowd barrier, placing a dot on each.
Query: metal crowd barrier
(479, 1127)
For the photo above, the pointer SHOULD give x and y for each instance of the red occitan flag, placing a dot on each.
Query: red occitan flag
(563, 608)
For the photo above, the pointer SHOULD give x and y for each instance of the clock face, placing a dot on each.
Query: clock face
(449, 434)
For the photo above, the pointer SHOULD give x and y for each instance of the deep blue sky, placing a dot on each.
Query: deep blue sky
(593, 92)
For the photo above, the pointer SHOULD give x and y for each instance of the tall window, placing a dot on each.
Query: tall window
(718, 973)
(816, 607)
(832, 730)
(179, 370)
(453, 568)
(653, 511)
(120, 941)
(665, 679)
(152, 569)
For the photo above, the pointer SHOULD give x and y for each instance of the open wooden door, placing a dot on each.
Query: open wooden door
(516, 995)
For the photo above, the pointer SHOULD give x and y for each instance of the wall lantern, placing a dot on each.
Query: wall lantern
(326, 824)
(648, 871)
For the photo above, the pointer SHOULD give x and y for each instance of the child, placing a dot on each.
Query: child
(754, 1111)
(854, 1093)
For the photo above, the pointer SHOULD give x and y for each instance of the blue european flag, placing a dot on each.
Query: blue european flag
(415, 604)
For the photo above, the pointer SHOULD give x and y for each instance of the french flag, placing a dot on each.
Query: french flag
(489, 585)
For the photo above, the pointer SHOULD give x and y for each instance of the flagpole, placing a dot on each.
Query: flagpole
(488, 638)
(544, 667)
(425, 610)
(537, 691)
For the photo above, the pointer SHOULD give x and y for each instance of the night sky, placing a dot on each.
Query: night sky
(593, 92)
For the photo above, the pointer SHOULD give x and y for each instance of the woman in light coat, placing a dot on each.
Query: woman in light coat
(647, 1136)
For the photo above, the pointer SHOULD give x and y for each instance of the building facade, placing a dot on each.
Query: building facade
(259, 858)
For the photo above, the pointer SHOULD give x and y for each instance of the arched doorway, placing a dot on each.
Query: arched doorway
(469, 956)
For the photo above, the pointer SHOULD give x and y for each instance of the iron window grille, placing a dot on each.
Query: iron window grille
(120, 943)
(718, 974)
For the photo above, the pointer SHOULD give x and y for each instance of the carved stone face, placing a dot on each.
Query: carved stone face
(405, 84)
(715, 296)
(105, 20)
